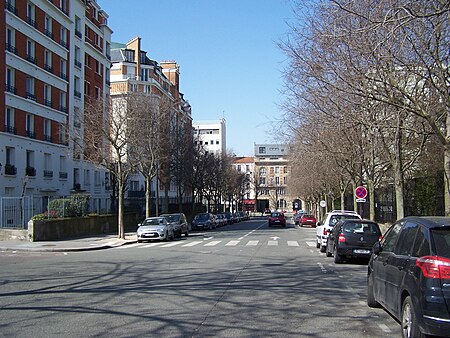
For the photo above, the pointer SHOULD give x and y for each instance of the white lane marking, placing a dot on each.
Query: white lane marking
(232, 243)
(170, 244)
(252, 243)
(249, 233)
(207, 238)
(272, 243)
(292, 243)
(384, 328)
(322, 267)
(275, 238)
(311, 243)
(152, 244)
(193, 243)
(129, 246)
(110, 243)
(212, 243)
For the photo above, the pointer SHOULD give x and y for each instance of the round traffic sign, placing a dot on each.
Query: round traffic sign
(361, 192)
(323, 204)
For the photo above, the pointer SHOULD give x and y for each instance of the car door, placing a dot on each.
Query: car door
(396, 264)
(380, 260)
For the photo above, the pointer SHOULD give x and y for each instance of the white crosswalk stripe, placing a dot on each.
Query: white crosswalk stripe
(212, 243)
(170, 244)
(152, 244)
(192, 243)
(232, 243)
(272, 243)
(292, 243)
(252, 243)
(311, 243)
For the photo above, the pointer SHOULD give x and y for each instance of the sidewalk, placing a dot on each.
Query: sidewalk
(79, 244)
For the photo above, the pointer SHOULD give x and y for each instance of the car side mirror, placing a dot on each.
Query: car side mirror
(377, 248)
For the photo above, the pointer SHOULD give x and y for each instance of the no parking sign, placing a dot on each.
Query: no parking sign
(360, 194)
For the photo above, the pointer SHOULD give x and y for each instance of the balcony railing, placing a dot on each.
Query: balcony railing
(30, 134)
(77, 94)
(63, 76)
(10, 7)
(31, 96)
(48, 173)
(11, 48)
(78, 33)
(77, 63)
(63, 109)
(31, 58)
(64, 44)
(48, 68)
(10, 129)
(10, 89)
(31, 22)
(48, 103)
(48, 33)
(30, 171)
(10, 169)
(48, 138)
(63, 175)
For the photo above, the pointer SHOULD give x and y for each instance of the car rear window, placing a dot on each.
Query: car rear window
(441, 238)
(276, 214)
(308, 216)
(336, 218)
(362, 228)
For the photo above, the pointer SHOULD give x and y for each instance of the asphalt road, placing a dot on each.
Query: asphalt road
(242, 280)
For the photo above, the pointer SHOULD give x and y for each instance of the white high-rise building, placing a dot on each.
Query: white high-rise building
(211, 135)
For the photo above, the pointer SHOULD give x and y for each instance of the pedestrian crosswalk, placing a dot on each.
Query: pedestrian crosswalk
(214, 243)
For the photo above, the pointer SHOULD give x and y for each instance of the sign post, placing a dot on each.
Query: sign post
(361, 194)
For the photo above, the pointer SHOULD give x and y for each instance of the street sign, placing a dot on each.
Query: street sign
(360, 192)
(323, 204)
(360, 200)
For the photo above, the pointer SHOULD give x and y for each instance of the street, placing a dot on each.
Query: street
(241, 280)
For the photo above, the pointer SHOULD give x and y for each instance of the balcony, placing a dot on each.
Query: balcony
(31, 96)
(48, 173)
(10, 7)
(30, 171)
(10, 169)
(63, 175)
(31, 22)
(30, 134)
(11, 48)
(31, 59)
(10, 129)
(48, 103)
(48, 68)
(10, 89)
(48, 33)
(48, 138)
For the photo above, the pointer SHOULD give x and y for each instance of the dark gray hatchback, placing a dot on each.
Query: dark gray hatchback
(409, 275)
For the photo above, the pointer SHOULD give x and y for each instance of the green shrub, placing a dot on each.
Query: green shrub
(38, 217)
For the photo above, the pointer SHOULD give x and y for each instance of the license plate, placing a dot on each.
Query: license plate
(361, 251)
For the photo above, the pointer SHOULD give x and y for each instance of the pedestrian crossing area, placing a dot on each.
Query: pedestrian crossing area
(214, 243)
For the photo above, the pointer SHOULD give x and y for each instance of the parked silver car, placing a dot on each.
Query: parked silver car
(155, 228)
(179, 222)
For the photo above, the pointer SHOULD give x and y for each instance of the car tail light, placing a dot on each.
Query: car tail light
(380, 238)
(325, 231)
(434, 266)
(341, 238)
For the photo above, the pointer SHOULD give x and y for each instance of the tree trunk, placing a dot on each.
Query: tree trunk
(447, 179)
(398, 170)
(355, 204)
(120, 230)
(148, 194)
(342, 199)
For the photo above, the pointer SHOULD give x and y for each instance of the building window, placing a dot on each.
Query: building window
(277, 180)
(63, 37)
(48, 26)
(262, 180)
(87, 177)
(277, 170)
(10, 40)
(262, 171)
(97, 92)
(47, 130)
(87, 88)
(247, 168)
(284, 180)
(262, 150)
(239, 168)
(47, 95)
(30, 14)
(285, 170)
(30, 51)
(29, 124)
(9, 120)
(10, 81)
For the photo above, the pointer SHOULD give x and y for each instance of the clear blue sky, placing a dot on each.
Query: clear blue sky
(230, 65)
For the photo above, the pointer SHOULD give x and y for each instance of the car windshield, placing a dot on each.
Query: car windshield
(202, 217)
(441, 238)
(276, 214)
(153, 221)
(172, 218)
(361, 228)
(336, 218)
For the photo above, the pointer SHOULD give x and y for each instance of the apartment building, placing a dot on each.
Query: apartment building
(246, 166)
(133, 72)
(272, 177)
(57, 54)
(211, 135)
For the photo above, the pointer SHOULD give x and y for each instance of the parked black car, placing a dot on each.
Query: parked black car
(409, 275)
(352, 238)
(204, 221)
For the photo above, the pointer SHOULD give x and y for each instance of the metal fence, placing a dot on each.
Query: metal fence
(15, 212)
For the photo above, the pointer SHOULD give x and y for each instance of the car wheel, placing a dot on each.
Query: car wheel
(323, 248)
(317, 245)
(328, 253)
(337, 257)
(186, 234)
(166, 237)
(409, 321)
(371, 302)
